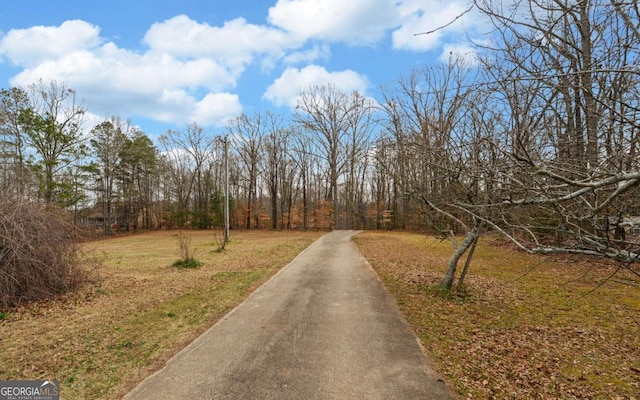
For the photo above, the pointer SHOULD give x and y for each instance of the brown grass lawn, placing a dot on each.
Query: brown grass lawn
(517, 333)
(550, 332)
(103, 340)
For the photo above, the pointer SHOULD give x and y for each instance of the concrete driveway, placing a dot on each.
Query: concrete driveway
(324, 327)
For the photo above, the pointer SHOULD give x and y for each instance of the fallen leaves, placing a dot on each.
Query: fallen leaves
(540, 335)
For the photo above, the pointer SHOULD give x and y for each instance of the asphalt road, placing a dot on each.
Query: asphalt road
(324, 327)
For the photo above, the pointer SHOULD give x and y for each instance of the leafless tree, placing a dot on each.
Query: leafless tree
(565, 75)
(188, 153)
(274, 147)
(301, 156)
(360, 126)
(323, 112)
(247, 136)
(340, 124)
(439, 129)
(381, 175)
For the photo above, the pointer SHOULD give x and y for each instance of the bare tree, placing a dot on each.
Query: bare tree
(564, 74)
(301, 156)
(187, 154)
(340, 124)
(323, 111)
(381, 180)
(360, 126)
(439, 128)
(39, 252)
(247, 135)
(274, 147)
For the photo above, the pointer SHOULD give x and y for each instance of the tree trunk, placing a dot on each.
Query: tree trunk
(458, 252)
(467, 263)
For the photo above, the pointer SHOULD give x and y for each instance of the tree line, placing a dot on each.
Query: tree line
(284, 173)
(535, 136)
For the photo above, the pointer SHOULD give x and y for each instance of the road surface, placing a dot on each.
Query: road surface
(324, 327)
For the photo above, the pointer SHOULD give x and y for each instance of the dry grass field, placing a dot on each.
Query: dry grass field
(516, 332)
(103, 340)
(522, 329)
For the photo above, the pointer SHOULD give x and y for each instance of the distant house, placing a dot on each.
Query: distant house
(95, 216)
(122, 218)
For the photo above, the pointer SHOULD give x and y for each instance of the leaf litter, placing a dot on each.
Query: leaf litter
(540, 335)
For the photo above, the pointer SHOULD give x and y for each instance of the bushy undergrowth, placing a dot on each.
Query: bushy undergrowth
(38, 253)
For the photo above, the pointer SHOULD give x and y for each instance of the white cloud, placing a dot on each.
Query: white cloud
(216, 108)
(236, 42)
(354, 22)
(213, 109)
(285, 90)
(130, 83)
(318, 52)
(187, 69)
(127, 72)
(463, 51)
(29, 47)
(112, 80)
(366, 22)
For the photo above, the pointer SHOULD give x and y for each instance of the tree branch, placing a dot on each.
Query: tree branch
(447, 24)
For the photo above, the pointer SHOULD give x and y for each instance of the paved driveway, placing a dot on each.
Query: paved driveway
(324, 327)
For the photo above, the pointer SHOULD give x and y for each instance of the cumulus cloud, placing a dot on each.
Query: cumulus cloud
(367, 22)
(155, 84)
(316, 53)
(285, 90)
(116, 70)
(354, 22)
(30, 47)
(180, 107)
(236, 42)
(216, 108)
(188, 69)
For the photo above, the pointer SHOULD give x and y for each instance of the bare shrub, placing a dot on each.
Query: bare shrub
(38, 253)
(187, 253)
(220, 239)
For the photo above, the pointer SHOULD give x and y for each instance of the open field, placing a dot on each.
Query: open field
(103, 340)
(517, 332)
(549, 333)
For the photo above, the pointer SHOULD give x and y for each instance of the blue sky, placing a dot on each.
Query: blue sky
(166, 63)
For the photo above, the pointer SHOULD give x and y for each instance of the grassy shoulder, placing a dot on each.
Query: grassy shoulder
(525, 327)
(103, 340)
